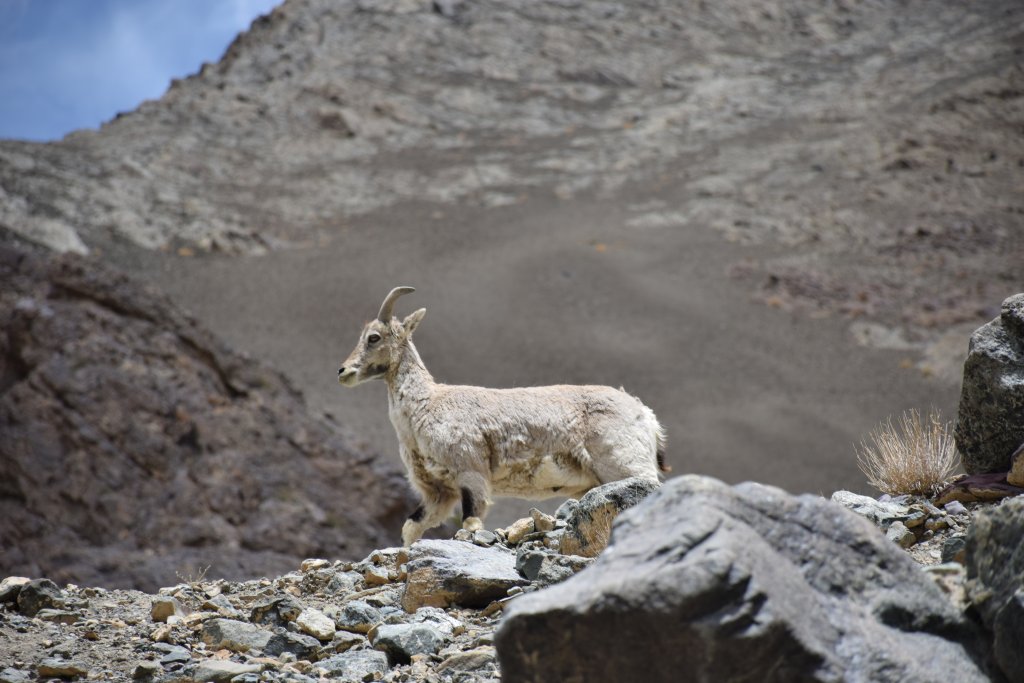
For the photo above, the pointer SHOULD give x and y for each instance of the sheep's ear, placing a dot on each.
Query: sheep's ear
(412, 321)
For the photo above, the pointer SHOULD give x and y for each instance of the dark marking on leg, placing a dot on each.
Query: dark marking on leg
(468, 504)
(418, 513)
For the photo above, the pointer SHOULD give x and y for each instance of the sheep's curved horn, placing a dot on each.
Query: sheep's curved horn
(389, 302)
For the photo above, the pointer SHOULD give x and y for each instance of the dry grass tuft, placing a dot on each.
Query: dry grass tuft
(916, 456)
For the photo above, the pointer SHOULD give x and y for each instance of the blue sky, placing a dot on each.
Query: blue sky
(70, 64)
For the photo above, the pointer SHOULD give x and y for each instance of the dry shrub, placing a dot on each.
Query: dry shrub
(916, 456)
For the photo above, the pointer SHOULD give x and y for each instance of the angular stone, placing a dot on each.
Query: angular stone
(517, 530)
(994, 558)
(990, 418)
(1015, 477)
(313, 564)
(358, 616)
(146, 671)
(275, 611)
(57, 615)
(446, 573)
(376, 576)
(221, 670)
(542, 521)
(164, 606)
(357, 665)
(343, 582)
(547, 567)
(740, 583)
(10, 587)
(342, 642)
(53, 667)
(880, 513)
(484, 537)
(11, 675)
(478, 659)
(39, 594)
(589, 524)
(237, 636)
(315, 623)
(401, 641)
(298, 644)
(899, 534)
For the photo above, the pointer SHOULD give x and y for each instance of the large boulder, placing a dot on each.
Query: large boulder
(703, 581)
(990, 421)
(589, 520)
(134, 445)
(446, 573)
(995, 580)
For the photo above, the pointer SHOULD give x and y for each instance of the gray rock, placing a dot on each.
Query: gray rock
(479, 659)
(11, 675)
(10, 587)
(55, 667)
(342, 642)
(995, 579)
(954, 549)
(315, 623)
(589, 523)
(899, 534)
(298, 644)
(146, 671)
(343, 582)
(275, 611)
(990, 419)
(878, 512)
(546, 567)
(356, 665)
(955, 507)
(237, 636)
(57, 615)
(221, 670)
(446, 573)
(401, 641)
(164, 606)
(359, 616)
(39, 594)
(740, 583)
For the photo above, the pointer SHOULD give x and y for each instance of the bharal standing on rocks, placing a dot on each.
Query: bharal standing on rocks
(464, 442)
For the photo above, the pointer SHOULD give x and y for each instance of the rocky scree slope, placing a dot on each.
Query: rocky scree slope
(134, 446)
(878, 143)
(695, 575)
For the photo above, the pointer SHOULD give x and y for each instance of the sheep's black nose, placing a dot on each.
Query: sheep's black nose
(341, 369)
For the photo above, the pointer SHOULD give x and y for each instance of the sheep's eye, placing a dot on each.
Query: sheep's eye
(373, 338)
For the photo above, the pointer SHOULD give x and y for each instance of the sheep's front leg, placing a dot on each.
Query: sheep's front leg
(430, 513)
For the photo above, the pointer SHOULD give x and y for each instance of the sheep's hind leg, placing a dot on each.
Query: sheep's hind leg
(474, 502)
(430, 513)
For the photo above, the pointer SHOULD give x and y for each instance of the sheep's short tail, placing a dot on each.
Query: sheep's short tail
(661, 463)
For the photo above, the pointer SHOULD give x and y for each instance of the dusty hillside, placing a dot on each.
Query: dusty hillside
(136, 448)
(586, 192)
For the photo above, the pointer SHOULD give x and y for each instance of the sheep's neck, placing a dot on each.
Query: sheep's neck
(409, 379)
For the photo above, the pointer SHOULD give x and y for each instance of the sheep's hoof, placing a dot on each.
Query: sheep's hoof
(472, 524)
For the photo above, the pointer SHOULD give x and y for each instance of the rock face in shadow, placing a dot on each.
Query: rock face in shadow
(703, 581)
(995, 580)
(990, 422)
(134, 445)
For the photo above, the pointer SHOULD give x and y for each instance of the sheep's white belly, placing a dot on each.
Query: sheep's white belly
(537, 477)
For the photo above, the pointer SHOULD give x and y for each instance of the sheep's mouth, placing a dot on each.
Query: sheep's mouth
(376, 371)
